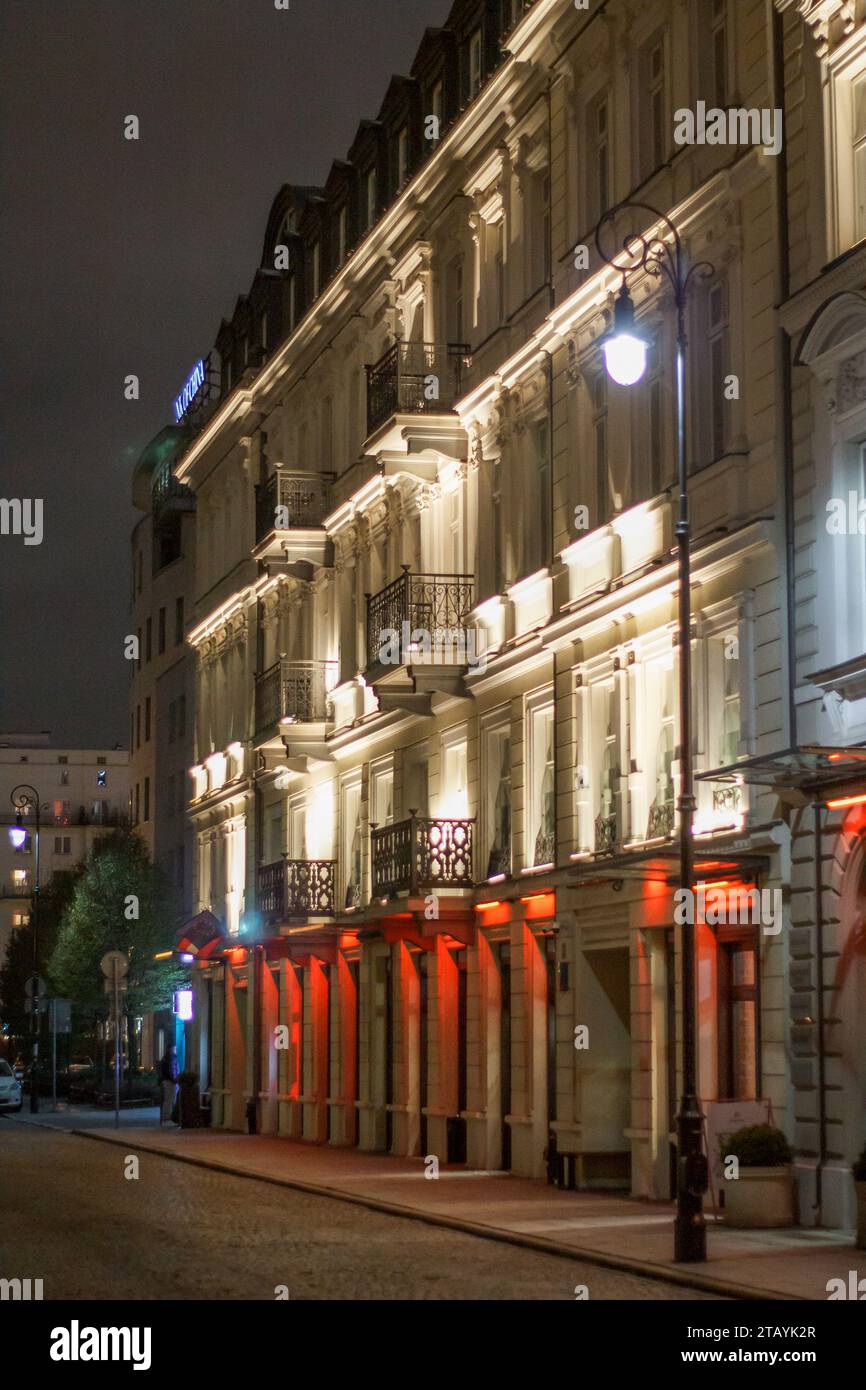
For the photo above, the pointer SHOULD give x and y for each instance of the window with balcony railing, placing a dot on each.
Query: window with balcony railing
(415, 379)
(294, 691)
(420, 615)
(291, 499)
(421, 853)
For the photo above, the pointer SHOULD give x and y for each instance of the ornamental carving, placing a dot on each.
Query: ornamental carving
(851, 383)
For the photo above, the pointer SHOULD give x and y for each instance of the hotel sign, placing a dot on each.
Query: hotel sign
(191, 388)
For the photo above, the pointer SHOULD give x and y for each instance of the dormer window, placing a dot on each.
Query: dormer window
(475, 64)
(371, 196)
(342, 234)
(402, 156)
(317, 269)
(434, 103)
(263, 330)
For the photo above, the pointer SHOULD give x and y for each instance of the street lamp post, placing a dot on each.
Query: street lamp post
(660, 254)
(24, 800)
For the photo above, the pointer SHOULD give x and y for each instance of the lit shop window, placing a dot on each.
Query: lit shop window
(498, 802)
(543, 798)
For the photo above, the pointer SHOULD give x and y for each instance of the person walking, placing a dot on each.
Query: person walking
(168, 1077)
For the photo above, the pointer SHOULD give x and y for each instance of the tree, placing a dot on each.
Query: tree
(17, 966)
(121, 902)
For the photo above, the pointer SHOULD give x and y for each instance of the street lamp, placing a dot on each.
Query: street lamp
(660, 254)
(24, 800)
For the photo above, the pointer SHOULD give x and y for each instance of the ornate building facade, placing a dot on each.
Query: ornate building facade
(437, 755)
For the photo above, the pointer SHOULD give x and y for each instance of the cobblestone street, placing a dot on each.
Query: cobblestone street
(69, 1216)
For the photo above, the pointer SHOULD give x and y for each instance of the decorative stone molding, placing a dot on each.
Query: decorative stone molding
(831, 21)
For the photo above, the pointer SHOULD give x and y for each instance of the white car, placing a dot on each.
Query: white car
(10, 1088)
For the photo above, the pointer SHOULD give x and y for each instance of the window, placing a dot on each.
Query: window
(228, 366)
(102, 776)
(316, 270)
(21, 919)
(137, 802)
(717, 366)
(660, 823)
(498, 535)
(293, 302)
(263, 330)
(178, 621)
(542, 828)
(402, 156)
(140, 569)
(498, 802)
(148, 641)
(161, 631)
(541, 487)
(500, 273)
(138, 663)
(718, 48)
(655, 421)
(351, 837)
(181, 716)
(653, 132)
(455, 803)
(737, 975)
(147, 719)
(64, 777)
(475, 75)
(455, 301)
(342, 234)
(599, 429)
(246, 342)
(138, 726)
(598, 144)
(147, 799)
(24, 848)
(172, 722)
(62, 844)
(63, 758)
(606, 822)
(383, 796)
(371, 197)
(730, 723)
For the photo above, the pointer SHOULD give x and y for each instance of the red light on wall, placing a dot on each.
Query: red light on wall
(540, 904)
(841, 801)
(484, 907)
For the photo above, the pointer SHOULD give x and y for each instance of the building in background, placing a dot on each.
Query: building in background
(434, 612)
(83, 796)
(162, 691)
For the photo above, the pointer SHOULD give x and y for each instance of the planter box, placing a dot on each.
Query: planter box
(761, 1198)
(860, 1189)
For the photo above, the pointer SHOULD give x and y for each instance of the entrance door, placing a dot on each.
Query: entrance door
(502, 956)
(550, 971)
(606, 1079)
(423, 1035)
(457, 1123)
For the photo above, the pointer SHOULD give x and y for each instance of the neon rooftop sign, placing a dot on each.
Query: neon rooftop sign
(191, 388)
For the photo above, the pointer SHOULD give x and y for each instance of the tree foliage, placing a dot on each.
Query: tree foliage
(121, 902)
(17, 965)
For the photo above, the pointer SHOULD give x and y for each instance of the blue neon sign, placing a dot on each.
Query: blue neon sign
(191, 388)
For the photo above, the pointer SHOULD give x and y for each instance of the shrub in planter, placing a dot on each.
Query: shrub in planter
(762, 1195)
(859, 1172)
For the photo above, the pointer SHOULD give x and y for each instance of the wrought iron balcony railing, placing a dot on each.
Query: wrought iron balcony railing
(291, 500)
(606, 834)
(660, 824)
(437, 605)
(297, 888)
(296, 691)
(420, 853)
(415, 379)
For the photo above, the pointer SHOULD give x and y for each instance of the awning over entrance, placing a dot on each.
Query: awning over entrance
(662, 865)
(808, 767)
(203, 936)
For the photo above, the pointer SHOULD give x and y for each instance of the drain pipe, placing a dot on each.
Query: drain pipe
(822, 1066)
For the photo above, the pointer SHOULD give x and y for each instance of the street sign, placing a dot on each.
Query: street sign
(62, 1015)
(36, 1006)
(34, 985)
(114, 963)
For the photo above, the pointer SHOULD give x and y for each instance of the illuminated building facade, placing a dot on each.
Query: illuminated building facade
(437, 758)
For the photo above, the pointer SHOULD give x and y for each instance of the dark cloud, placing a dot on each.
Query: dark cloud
(120, 256)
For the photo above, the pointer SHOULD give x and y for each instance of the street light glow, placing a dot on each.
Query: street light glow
(18, 835)
(625, 351)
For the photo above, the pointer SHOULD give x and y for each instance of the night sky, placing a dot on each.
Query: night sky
(121, 257)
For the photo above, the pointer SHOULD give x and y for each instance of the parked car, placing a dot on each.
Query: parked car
(10, 1088)
(80, 1064)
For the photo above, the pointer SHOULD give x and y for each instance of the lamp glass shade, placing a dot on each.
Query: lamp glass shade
(625, 357)
(17, 834)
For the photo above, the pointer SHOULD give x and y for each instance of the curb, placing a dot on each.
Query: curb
(621, 1263)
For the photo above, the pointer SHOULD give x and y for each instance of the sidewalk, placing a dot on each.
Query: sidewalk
(615, 1231)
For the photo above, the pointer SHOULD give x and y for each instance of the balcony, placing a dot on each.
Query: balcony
(421, 624)
(167, 494)
(293, 888)
(415, 379)
(421, 855)
(290, 509)
(294, 691)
